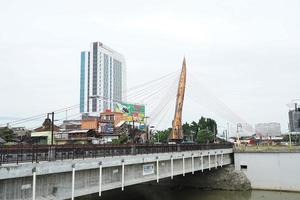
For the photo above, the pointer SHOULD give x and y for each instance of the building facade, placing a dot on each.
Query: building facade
(294, 119)
(102, 79)
(267, 129)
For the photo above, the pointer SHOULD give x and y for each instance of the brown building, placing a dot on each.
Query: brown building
(90, 122)
(108, 126)
(105, 123)
(108, 121)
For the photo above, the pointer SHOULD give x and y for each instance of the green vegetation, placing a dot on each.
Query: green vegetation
(162, 136)
(266, 148)
(203, 131)
(123, 139)
(7, 134)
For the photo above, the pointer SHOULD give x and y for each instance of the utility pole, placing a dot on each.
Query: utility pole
(52, 126)
(239, 125)
(66, 114)
(290, 141)
(147, 127)
(227, 132)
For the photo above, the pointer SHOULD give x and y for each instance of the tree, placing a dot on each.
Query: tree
(162, 136)
(7, 134)
(202, 132)
(186, 129)
(194, 129)
(205, 136)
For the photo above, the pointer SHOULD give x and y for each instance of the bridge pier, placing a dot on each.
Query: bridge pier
(73, 182)
(157, 170)
(193, 164)
(172, 167)
(183, 165)
(216, 160)
(33, 183)
(209, 161)
(202, 167)
(123, 174)
(100, 178)
(221, 158)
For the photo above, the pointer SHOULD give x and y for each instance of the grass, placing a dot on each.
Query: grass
(266, 148)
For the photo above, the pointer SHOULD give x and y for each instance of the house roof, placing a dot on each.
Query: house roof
(43, 128)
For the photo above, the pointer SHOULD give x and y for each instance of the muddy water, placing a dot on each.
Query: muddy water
(146, 192)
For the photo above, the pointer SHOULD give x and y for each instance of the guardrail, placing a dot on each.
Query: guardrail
(36, 153)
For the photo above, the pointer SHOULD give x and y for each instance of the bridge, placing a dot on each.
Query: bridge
(69, 171)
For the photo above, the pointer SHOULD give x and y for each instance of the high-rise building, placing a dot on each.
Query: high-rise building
(102, 79)
(294, 119)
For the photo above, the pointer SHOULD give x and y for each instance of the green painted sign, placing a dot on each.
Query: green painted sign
(131, 112)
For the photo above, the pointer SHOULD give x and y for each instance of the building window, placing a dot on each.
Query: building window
(244, 167)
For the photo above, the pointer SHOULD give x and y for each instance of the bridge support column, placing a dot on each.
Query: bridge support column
(172, 167)
(123, 174)
(100, 178)
(73, 182)
(33, 183)
(202, 167)
(222, 157)
(193, 164)
(183, 165)
(216, 160)
(208, 161)
(157, 170)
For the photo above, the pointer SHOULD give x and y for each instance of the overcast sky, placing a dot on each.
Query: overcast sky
(245, 52)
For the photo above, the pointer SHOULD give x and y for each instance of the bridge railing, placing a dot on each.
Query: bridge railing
(36, 153)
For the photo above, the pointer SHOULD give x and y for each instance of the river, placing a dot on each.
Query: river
(146, 192)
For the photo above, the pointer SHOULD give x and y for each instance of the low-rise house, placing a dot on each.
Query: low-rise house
(43, 134)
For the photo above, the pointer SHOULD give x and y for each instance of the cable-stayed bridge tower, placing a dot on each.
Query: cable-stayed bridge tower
(177, 133)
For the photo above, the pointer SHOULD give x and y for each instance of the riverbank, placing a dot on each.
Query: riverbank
(270, 170)
(226, 178)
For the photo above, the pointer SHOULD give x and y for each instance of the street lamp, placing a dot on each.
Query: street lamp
(239, 125)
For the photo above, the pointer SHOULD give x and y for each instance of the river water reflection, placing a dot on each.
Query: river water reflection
(154, 193)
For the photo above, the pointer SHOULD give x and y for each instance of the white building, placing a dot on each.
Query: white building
(102, 79)
(268, 129)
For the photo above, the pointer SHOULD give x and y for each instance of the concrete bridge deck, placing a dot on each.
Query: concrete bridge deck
(62, 179)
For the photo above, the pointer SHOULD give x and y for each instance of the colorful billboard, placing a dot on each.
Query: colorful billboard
(131, 112)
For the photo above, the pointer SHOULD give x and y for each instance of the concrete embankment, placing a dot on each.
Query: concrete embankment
(226, 178)
(270, 170)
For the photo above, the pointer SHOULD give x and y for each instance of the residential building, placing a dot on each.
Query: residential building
(102, 79)
(20, 131)
(43, 134)
(69, 125)
(90, 122)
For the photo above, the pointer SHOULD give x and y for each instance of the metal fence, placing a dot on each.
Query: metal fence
(36, 153)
